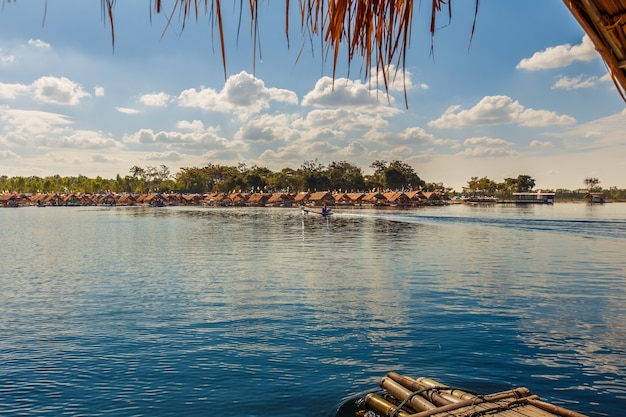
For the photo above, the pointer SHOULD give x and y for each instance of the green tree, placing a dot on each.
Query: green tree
(525, 183)
(481, 186)
(345, 176)
(313, 177)
(591, 182)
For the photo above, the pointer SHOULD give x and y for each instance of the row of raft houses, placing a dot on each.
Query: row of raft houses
(241, 199)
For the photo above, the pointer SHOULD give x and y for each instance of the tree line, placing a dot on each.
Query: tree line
(311, 176)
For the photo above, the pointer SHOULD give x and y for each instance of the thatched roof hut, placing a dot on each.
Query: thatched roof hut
(258, 199)
(302, 197)
(280, 199)
(321, 197)
(605, 23)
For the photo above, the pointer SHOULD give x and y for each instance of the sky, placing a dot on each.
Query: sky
(526, 95)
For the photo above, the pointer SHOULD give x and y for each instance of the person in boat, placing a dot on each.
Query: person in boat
(324, 209)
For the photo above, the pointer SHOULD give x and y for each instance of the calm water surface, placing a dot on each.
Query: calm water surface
(266, 312)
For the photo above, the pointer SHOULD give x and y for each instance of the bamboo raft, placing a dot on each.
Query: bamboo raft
(403, 396)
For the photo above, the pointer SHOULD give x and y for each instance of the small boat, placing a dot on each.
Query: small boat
(403, 396)
(326, 213)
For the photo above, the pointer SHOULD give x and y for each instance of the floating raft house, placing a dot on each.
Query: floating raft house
(403, 396)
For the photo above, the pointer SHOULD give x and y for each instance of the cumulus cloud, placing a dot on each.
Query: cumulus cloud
(155, 99)
(243, 94)
(347, 93)
(486, 147)
(84, 139)
(201, 140)
(344, 118)
(560, 56)
(195, 125)
(497, 110)
(98, 91)
(38, 43)
(419, 135)
(397, 80)
(268, 128)
(56, 90)
(409, 136)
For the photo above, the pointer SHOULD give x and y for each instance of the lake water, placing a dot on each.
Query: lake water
(136, 311)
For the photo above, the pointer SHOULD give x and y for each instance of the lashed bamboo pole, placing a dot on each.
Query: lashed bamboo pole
(382, 406)
(413, 385)
(445, 393)
(475, 402)
(417, 402)
(554, 409)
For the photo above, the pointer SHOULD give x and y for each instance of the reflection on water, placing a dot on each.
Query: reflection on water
(144, 311)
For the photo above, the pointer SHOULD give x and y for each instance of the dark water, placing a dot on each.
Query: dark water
(266, 312)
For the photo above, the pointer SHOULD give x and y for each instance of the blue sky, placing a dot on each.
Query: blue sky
(529, 96)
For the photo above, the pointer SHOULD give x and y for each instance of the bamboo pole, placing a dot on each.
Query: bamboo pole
(382, 406)
(445, 393)
(417, 402)
(413, 385)
(554, 409)
(473, 402)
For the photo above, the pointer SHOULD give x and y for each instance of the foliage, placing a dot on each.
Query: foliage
(311, 176)
(590, 183)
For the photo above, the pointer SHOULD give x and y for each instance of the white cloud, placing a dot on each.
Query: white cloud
(539, 144)
(56, 90)
(344, 118)
(32, 121)
(7, 154)
(98, 91)
(155, 100)
(102, 159)
(201, 140)
(126, 110)
(419, 135)
(84, 139)
(38, 43)
(486, 147)
(35, 131)
(560, 56)
(568, 83)
(351, 94)
(397, 80)
(11, 91)
(6, 58)
(268, 128)
(195, 125)
(409, 136)
(168, 156)
(242, 94)
(497, 110)
(606, 132)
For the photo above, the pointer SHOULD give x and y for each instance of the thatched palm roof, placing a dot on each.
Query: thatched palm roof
(605, 23)
(378, 32)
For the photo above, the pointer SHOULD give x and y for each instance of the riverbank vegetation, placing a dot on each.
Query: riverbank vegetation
(310, 176)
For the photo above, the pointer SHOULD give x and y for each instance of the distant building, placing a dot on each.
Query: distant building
(595, 198)
(534, 198)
